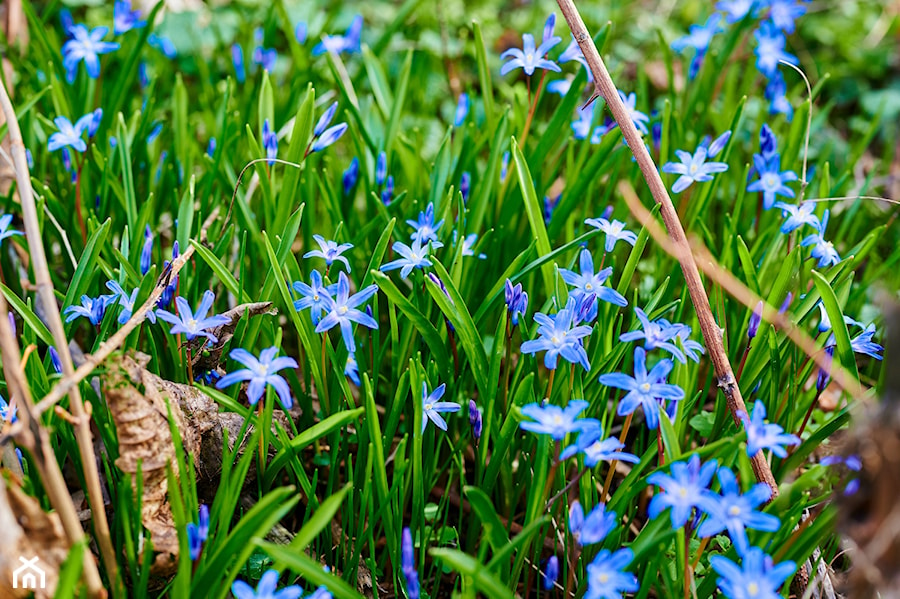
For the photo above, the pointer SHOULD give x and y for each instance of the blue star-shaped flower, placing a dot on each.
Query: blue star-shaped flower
(771, 180)
(557, 337)
(432, 407)
(783, 13)
(770, 49)
(557, 422)
(735, 512)
(516, 301)
(797, 216)
(126, 300)
(344, 311)
(757, 578)
(573, 52)
(822, 250)
(761, 435)
(639, 119)
(85, 46)
(349, 42)
(90, 308)
(594, 527)
(125, 19)
(863, 344)
(266, 589)
(530, 58)
(193, 324)
(736, 10)
(330, 251)
(645, 389)
(699, 36)
(686, 488)
(69, 134)
(615, 231)
(589, 282)
(656, 334)
(260, 372)
(425, 228)
(412, 257)
(607, 578)
(595, 449)
(693, 167)
(316, 297)
(5, 231)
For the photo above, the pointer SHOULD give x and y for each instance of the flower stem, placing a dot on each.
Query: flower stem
(612, 465)
(659, 446)
(809, 412)
(324, 390)
(508, 368)
(550, 384)
(740, 369)
(259, 423)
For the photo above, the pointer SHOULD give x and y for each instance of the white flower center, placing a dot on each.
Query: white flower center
(734, 511)
(529, 57)
(645, 387)
(753, 589)
(316, 297)
(192, 324)
(588, 286)
(342, 310)
(771, 181)
(603, 578)
(428, 407)
(693, 169)
(263, 369)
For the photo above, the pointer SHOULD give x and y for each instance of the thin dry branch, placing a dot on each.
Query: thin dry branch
(44, 286)
(604, 86)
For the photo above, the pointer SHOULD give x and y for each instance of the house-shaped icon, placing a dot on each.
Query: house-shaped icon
(28, 575)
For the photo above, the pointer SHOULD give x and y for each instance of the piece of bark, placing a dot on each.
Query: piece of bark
(208, 358)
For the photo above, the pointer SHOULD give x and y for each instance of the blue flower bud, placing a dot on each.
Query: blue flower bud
(351, 175)
(475, 419)
(464, 184)
(551, 573)
(143, 78)
(94, 124)
(29, 159)
(211, 147)
(328, 137)
(462, 110)
(325, 120)
(786, 303)
(300, 33)
(237, 57)
(755, 319)
(380, 169)
(504, 166)
(549, 25)
(12, 323)
(147, 251)
(407, 559)
(388, 190)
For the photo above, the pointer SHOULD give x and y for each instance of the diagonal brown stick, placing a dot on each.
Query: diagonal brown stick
(54, 321)
(604, 86)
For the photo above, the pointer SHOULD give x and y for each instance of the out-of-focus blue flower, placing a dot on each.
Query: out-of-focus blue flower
(775, 93)
(797, 216)
(736, 10)
(768, 143)
(432, 407)
(549, 204)
(639, 119)
(573, 52)
(425, 227)
(7, 414)
(351, 369)
(863, 344)
(465, 185)
(324, 137)
(143, 77)
(769, 51)
(549, 25)
(735, 512)
(69, 134)
(66, 21)
(5, 231)
(93, 123)
(656, 334)
(344, 311)
(516, 301)
(594, 527)
(530, 58)
(822, 250)
(125, 19)
(154, 133)
(269, 142)
(594, 449)
(414, 256)
(388, 192)
(193, 324)
(462, 110)
(761, 435)
(771, 180)
(91, 308)
(408, 564)
(237, 58)
(607, 578)
(693, 167)
(468, 244)
(211, 147)
(85, 46)
(198, 533)
(266, 589)
(54, 360)
(589, 282)
(316, 297)
(758, 577)
(560, 86)
(504, 166)
(300, 33)
(581, 126)
(615, 231)
(557, 337)
(349, 42)
(260, 372)
(551, 572)
(686, 488)
(783, 13)
(475, 419)
(699, 36)
(557, 422)
(645, 389)
(163, 44)
(147, 251)
(755, 319)
(351, 176)
(380, 169)
(126, 300)
(852, 463)
(330, 251)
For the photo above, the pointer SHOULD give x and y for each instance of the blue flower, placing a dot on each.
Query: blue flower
(551, 572)
(700, 36)
(735, 512)
(193, 324)
(237, 58)
(147, 251)
(504, 166)
(414, 256)
(85, 46)
(432, 407)
(607, 578)
(344, 311)
(771, 180)
(761, 435)
(863, 344)
(330, 251)
(549, 25)
(573, 52)
(530, 58)
(265, 57)
(797, 216)
(325, 137)
(127, 300)
(685, 489)
(169, 292)
(69, 134)
(560, 86)
(783, 13)
(822, 250)
(260, 372)
(736, 10)
(475, 419)
(198, 533)
(351, 369)
(7, 414)
(558, 337)
(768, 143)
(5, 231)
(639, 119)
(557, 422)
(755, 320)
(54, 360)
(163, 44)
(388, 190)
(589, 282)
(757, 578)
(656, 334)
(581, 126)
(425, 228)
(615, 231)
(594, 450)
(125, 19)
(300, 33)
(593, 528)
(770, 49)
(349, 42)
(465, 184)
(644, 389)
(90, 308)
(549, 204)
(776, 94)
(351, 175)
(266, 589)
(462, 110)
(408, 565)
(468, 244)
(269, 142)
(693, 167)
(516, 301)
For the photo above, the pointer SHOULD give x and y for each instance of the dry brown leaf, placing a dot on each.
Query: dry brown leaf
(28, 532)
